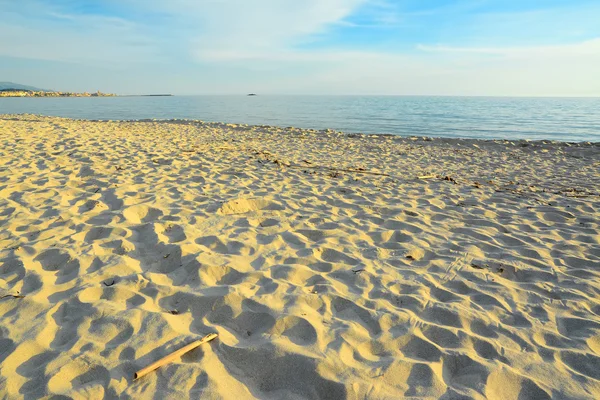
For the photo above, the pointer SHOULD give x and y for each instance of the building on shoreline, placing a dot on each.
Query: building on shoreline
(31, 93)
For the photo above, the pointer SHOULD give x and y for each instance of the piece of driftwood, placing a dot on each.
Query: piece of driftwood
(178, 353)
(427, 176)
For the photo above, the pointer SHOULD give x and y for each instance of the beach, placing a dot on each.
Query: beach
(330, 265)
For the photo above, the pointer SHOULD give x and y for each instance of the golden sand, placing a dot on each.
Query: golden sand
(326, 266)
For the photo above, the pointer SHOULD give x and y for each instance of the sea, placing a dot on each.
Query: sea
(560, 119)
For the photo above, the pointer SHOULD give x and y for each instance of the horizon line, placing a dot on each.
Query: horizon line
(381, 95)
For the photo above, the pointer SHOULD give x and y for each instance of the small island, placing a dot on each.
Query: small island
(44, 93)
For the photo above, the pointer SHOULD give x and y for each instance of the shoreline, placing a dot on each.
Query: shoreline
(330, 265)
(216, 124)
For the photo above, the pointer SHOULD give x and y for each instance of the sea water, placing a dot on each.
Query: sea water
(563, 119)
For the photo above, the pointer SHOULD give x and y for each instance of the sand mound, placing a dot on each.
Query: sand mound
(241, 206)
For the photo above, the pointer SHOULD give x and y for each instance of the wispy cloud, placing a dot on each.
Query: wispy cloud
(241, 29)
(51, 34)
(587, 47)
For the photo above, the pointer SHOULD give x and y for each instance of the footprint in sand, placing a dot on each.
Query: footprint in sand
(141, 214)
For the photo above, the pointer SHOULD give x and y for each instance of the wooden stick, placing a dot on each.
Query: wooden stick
(427, 176)
(172, 356)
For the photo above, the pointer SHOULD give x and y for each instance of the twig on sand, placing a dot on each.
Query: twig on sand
(178, 353)
(15, 296)
(427, 177)
(356, 171)
(582, 195)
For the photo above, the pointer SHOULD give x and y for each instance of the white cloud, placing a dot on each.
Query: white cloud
(565, 70)
(587, 47)
(243, 29)
(210, 30)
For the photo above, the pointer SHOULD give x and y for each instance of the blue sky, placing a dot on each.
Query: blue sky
(439, 47)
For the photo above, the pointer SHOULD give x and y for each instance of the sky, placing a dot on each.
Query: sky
(348, 47)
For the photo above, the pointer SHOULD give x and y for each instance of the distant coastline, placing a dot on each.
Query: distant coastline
(43, 93)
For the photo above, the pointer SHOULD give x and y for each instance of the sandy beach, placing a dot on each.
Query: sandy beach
(330, 265)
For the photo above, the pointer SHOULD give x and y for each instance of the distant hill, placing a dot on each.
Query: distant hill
(11, 85)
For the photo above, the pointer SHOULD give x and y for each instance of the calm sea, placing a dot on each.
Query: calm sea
(565, 119)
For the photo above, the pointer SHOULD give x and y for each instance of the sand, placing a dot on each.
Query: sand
(327, 268)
